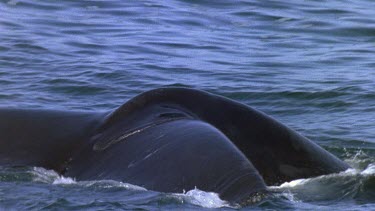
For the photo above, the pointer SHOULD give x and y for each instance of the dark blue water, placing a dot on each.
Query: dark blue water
(309, 64)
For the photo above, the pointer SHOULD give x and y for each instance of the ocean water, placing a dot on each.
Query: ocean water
(310, 64)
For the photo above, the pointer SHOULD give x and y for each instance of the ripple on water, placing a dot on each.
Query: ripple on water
(308, 64)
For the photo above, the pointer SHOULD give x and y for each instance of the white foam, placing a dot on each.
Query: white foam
(326, 187)
(350, 171)
(44, 175)
(203, 199)
(112, 184)
(293, 183)
(64, 180)
(369, 171)
(50, 176)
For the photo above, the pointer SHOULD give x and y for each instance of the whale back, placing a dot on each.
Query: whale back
(277, 152)
(175, 156)
(43, 138)
(168, 139)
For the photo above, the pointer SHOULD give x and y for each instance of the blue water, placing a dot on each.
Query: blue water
(309, 64)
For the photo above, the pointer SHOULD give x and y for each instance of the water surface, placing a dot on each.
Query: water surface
(309, 64)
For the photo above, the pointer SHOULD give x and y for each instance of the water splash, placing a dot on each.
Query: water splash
(51, 177)
(358, 159)
(195, 196)
(369, 171)
(108, 184)
(46, 176)
(338, 186)
(64, 181)
(203, 199)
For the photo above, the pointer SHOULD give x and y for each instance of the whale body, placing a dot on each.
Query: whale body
(167, 140)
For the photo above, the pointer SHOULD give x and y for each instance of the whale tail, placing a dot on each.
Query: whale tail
(170, 140)
(277, 152)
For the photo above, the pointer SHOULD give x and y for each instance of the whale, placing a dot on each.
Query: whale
(168, 140)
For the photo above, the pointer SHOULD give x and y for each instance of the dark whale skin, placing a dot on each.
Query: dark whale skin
(168, 140)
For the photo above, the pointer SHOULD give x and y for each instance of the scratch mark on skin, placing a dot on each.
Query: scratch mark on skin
(104, 144)
(134, 163)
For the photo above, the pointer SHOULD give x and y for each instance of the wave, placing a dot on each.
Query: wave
(194, 196)
(357, 184)
(351, 184)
